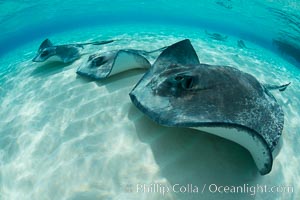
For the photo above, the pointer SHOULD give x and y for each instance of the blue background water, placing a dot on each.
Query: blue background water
(63, 137)
(259, 20)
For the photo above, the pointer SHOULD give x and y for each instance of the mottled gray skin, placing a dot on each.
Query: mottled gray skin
(65, 53)
(100, 66)
(178, 91)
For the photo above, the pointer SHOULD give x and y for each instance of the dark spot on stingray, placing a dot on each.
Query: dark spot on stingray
(91, 57)
(98, 61)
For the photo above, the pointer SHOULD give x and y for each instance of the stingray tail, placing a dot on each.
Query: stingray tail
(156, 50)
(100, 42)
(281, 88)
(95, 43)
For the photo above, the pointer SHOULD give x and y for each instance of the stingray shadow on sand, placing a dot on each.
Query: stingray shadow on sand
(124, 78)
(191, 157)
(49, 68)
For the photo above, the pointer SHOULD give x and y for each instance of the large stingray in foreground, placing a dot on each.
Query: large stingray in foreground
(178, 91)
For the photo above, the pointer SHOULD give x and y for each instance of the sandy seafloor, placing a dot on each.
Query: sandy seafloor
(66, 137)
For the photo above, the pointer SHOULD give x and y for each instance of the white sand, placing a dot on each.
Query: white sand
(65, 137)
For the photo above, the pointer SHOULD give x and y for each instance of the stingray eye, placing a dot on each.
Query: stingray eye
(187, 82)
(91, 57)
(45, 53)
(184, 81)
(99, 61)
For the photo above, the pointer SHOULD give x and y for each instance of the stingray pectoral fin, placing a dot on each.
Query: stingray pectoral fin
(98, 66)
(46, 43)
(126, 60)
(182, 53)
(247, 138)
(35, 59)
(67, 53)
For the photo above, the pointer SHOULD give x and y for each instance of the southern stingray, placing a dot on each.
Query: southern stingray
(178, 91)
(66, 53)
(103, 65)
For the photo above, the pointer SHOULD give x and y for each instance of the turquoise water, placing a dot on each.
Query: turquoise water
(65, 137)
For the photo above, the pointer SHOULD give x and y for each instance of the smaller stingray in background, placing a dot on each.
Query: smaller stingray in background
(179, 91)
(103, 65)
(216, 36)
(63, 53)
(226, 4)
(241, 44)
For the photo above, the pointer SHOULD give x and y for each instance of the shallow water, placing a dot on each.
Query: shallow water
(259, 20)
(66, 137)
(63, 136)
